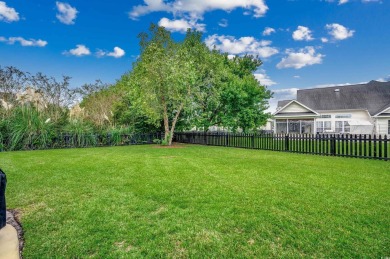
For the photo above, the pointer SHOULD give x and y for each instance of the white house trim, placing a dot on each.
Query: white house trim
(388, 108)
(295, 101)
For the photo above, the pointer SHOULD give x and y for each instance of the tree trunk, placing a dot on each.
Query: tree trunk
(174, 124)
(166, 121)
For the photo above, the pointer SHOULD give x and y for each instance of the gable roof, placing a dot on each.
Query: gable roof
(372, 96)
(297, 113)
(384, 112)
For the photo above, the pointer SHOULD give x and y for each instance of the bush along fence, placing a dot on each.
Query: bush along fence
(359, 146)
(65, 140)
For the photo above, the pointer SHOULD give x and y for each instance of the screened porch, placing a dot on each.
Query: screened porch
(294, 126)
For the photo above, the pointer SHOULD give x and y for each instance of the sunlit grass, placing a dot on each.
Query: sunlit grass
(198, 201)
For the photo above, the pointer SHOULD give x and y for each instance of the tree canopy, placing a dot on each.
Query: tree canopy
(188, 84)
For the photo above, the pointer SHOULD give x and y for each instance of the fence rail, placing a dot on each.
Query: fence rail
(66, 140)
(359, 146)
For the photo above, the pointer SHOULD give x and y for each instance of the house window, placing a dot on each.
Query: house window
(324, 126)
(326, 116)
(342, 127)
(346, 116)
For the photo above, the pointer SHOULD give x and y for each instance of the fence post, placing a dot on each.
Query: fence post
(332, 145)
(286, 144)
(385, 140)
(3, 211)
(227, 139)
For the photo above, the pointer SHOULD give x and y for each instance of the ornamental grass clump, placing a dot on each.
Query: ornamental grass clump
(79, 131)
(27, 124)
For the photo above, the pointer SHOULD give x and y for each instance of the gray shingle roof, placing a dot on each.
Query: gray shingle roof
(283, 103)
(372, 96)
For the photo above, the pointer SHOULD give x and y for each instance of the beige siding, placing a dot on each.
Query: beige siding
(294, 107)
(382, 126)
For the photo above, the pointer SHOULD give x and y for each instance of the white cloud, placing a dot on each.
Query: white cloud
(302, 33)
(67, 14)
(340, 2)
(80, 50)
(223, 23)
(304, 57)
(384, 79)
(268, 30)
(8, 14)
(332, 85)
(263, 78)
(196, 8)
(324, 40)
(338, 31)
(25, 43)
(279, 95)
(297, 77)
(241, 46)
(117, 53)
(181, 25)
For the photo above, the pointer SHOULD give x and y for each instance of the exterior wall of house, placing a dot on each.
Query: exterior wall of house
(342, 116)
(294, 107)
(336, 121)
(382, 126)
(268, 126)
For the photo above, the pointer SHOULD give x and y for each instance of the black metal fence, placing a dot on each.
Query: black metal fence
(66, 140)
(359, 146)
(3, 211)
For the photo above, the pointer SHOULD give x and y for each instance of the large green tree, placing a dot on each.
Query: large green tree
(231, 96)
(165, 78)
(187, 84)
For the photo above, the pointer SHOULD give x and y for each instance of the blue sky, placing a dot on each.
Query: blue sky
(303, 44)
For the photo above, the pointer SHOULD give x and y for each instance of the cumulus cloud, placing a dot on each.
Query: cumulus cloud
(263, 78)
(24, 42)
(181, 25)
(241, 46)
(338, 31)
(8, 14)
(223, 23)
(304, 57)
(117, 53)
(196, 8)
(384, 79)
(66, 13)
(324, 40)
(340, 2)
(279, 95)
(302, 33)
(268, 31)
(79, 51)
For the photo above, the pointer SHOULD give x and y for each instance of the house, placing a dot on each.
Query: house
(354, 109)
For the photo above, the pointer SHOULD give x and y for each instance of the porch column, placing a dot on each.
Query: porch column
(275, 129)
(287, 126)
(300, 126)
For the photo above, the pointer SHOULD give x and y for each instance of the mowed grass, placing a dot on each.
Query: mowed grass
(198, 201)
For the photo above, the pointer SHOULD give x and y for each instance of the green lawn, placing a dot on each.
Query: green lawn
(198, 201)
